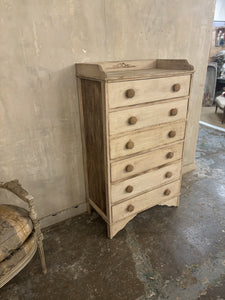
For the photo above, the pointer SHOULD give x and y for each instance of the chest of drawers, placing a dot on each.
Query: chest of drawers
(133, 119)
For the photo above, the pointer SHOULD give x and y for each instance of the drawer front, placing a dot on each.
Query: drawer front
(143, 140)
(145, 201)
(146, 116)
(143, 91)
(132, 166)
(144, 182)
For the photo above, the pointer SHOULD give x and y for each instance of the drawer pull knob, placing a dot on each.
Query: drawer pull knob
(130, 145)
(172, 133)
(173, 111)
(130, 93)
(170, 155)
(167, 192)
(129, 168)
(176, 87)
(129, 189)
(132, 120)
(130, 208)
(169, 174)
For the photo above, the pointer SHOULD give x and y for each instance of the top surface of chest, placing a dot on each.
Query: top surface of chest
(134, 70)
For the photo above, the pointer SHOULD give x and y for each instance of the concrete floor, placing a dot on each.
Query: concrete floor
(164, 253)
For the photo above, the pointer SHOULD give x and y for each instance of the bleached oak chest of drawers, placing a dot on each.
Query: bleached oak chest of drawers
(133, 120)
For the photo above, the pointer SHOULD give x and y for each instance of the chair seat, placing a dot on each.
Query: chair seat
(18, 260)
(15, 228)
(220, 101)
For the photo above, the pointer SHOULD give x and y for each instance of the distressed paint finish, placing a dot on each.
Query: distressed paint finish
(40, 41)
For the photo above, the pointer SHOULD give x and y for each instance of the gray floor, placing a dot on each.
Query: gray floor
(164, 253)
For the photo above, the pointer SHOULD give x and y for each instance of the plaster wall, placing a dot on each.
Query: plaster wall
(40, 40)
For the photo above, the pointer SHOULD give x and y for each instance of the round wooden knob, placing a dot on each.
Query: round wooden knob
(176, 87)
(132, 120)
(172, 133)
(129, 168)
(129, 189)
(167, 192)
(130, 145)
(170, 155)
(173, 111)
(168, 174)
(130, 208)
(130, 93)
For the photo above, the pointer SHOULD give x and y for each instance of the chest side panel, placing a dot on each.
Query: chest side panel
(94, 136)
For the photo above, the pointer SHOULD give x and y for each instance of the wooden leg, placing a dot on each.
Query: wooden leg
(114, 228)
(42, 255)
(38, 235)
(89, 208)
(172, 202)
(216, 108)
(109, 231)
(223, 115)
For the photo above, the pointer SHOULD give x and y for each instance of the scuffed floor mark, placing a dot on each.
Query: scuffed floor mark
(204, 169)
(196, 279)
(193, 282)
(151, 281)
(209, 141)
(74, 270)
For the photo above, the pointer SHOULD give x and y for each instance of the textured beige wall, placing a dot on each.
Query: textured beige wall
(40, 40)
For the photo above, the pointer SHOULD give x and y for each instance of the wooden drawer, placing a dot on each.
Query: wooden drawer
(144, 182)
(138, 141)
(132, 166)
(146, 116)
(143, 91)
(144, 201)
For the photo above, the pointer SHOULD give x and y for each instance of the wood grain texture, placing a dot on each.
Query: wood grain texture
(145, 181)
(145, 162)
(171, 202)
(115, 227)
(145, 201)
(148, 115)
(94, 138)
(134, 69)
(106, 149)
(89, 208)
(120, 76)
(146, 139)
(174, 64)
(147, 90)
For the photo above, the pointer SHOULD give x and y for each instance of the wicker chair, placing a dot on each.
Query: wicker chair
(20, 234)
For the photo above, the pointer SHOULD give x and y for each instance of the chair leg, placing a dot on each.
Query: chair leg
(42, 255)
(223, 115)
(216, 108)
(39, 236)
